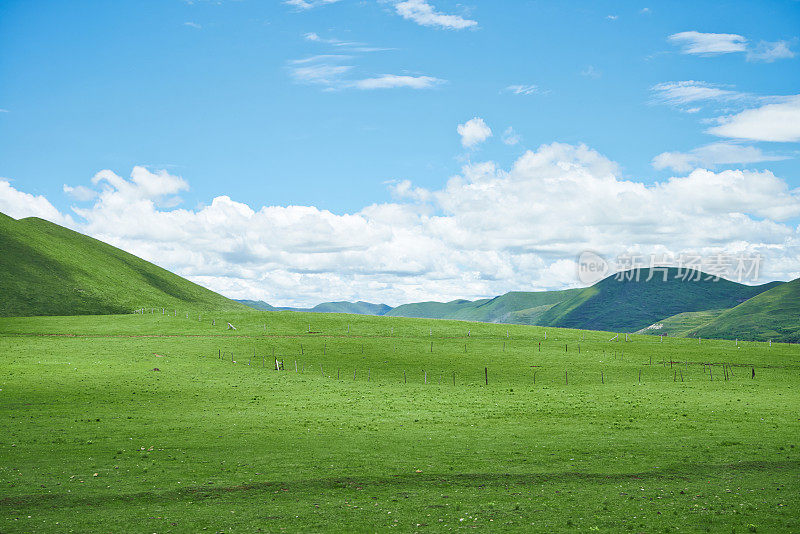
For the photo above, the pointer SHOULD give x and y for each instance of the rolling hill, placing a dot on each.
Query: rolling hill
(771, 315)
(357, 308)
(626, 305)
(681, 324)
(516, 307)
(50, 270)
(633, 303)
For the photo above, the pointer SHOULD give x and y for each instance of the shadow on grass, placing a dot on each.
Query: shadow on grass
(406, 481)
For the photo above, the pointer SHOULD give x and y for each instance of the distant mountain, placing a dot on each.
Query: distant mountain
(259, 305)
(621, 303)
(773, 314)
(358, 308)
(516, 307)
(46, 269)
(632, 302)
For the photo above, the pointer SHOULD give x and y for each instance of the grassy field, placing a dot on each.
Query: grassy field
(682, 324)
(389, 423)
(774, 314)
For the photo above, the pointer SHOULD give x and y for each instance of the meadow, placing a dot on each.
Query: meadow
(161, 423)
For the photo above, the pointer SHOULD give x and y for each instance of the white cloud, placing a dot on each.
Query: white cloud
(405, 190)
(321, 74)
(769, 52)
(315, 38)
(308, 4)
(708, 44)
(390, 81)
(526, 90)
(612, 17)
(424, 14)
(591, 72)
(473, 132)
(80, 192)
(779, 122)
(713, 44)
(486, 231)
(711, 155)
(510, 137)
(18, 204)
(689, 91)
(194, 25)
(326, 70)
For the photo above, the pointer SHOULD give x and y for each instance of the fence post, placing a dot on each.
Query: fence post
(486, 375)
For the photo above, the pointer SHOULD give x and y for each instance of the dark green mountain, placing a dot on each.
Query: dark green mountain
(633, 303)
(516, 307)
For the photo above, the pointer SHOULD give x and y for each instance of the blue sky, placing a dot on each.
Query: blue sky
(331, 105)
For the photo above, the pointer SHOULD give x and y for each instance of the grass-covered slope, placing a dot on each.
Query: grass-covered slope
(46, 269)
(773, 314)
(682, 324)
(519, 307)
(258, 305)
(357, 308)
(635, 302)
(152, 423)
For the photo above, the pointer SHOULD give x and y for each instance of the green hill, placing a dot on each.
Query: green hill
(357, 308)
(517, 307)
(50, 270)
(682, 324)
(633, 303)
(258, 305)
(773, 314)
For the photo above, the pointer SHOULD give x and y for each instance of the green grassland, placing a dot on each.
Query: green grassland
(51, 270)
(371, 432)
(682, 324)
(773, 314)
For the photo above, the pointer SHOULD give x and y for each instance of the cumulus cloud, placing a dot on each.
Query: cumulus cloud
(711, 155)
(487, 230)
(779, 122)
(18, 204)
(425, 14)
(708, 44)
(80, 192)
(473, 132)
